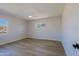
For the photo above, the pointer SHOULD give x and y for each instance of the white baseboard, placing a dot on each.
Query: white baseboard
(10, 41)
(44, 39)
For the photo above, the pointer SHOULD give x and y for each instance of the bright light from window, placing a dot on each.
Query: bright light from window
(3, 25)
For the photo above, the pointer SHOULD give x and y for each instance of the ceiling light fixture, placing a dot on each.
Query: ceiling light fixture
(30, 16)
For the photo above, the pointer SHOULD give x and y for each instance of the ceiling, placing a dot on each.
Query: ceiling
(35, 10)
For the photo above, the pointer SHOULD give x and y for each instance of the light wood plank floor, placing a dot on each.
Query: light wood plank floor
(32, 47)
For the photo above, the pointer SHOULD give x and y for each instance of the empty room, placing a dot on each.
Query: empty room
(39, 29)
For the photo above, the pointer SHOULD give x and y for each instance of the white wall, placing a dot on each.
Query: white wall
(19, 29)
(70, 23)
(51, 31)
(16, 30)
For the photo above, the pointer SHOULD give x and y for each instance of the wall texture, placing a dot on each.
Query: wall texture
(51, 30)
(70, 24)
(16, 29)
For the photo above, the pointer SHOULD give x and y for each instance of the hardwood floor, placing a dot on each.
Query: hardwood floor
(32, 47)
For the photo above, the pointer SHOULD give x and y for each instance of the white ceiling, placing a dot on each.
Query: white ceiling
(37, 10)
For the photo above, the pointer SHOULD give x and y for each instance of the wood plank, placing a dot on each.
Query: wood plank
(32, 47)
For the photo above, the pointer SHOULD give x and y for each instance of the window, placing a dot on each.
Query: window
(3, 26)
